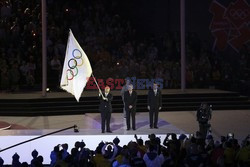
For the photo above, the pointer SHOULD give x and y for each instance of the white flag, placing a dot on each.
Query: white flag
(76, 68)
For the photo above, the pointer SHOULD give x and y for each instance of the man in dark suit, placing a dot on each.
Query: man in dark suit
(204, 115)
(130, 98)
(154, 105)
(124, 89)
(105, 109)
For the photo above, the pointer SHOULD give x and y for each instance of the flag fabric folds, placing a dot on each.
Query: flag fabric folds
(76, 68)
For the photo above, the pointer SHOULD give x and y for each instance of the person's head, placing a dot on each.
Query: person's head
(56, 148)
(40, 159)
(130, 87)
(77, 144)
(65, 146)
(109, 148)
(204, 105)
(152, 136)
(174, 136)
(140, 142)
(127, 81)
(101, 144)
(155, 86)
(34, 153)
(98, 150)
(82, 144)
(15, 157)
(116, 141)
(107, 89)
(74, 151)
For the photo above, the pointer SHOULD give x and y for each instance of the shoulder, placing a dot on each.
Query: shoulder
(125, 93)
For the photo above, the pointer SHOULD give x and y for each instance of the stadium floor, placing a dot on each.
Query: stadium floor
(223, 122)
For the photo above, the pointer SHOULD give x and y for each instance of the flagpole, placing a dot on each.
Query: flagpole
(44, 51)
(97, 85)
(183, 54)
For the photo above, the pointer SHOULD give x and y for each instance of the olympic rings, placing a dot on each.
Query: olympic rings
(73, 63)
(72, 73)
(80, 64)
(73, 54)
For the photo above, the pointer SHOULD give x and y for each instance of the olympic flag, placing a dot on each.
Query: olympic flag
(76, 68)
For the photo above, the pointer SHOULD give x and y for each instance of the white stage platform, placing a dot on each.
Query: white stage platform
(89, 132)
(45, 145)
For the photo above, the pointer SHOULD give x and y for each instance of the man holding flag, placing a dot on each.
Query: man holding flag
(75, 75)
(105, 109)
(76, 68)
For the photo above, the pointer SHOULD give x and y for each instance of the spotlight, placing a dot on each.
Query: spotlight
(230, 135)
(47, 89)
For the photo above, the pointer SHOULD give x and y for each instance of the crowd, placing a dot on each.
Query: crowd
(115, 48)
(188, 151)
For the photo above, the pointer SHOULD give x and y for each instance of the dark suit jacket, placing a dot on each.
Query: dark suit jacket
(105, 105)
(130, 100)
(154, 101)
(204, 115)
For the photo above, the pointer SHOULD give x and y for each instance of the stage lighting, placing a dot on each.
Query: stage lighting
(230, 135)
(76, 129)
